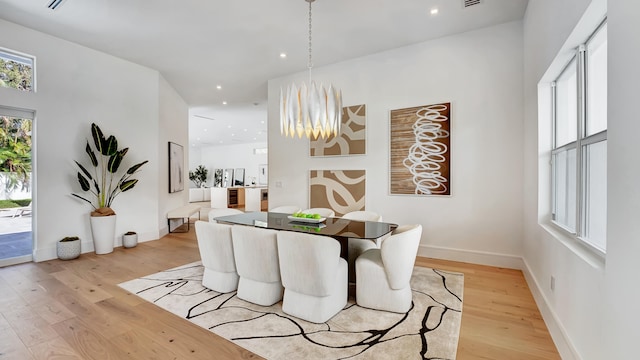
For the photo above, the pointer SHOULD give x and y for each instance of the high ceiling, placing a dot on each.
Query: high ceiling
(237, 44)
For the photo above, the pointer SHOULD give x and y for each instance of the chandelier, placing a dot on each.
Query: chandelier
(310, 109)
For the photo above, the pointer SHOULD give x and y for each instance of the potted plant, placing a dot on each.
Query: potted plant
(199, 176)
(130, 239)
(68, 248)
(104, 184)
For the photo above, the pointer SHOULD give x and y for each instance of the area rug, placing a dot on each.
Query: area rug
(430, 329)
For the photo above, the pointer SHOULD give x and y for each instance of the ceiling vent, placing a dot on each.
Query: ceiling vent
(54, 4)
(468, 3)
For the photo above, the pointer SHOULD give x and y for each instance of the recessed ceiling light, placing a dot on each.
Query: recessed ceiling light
(244, 129)
(283, 55)
(205, 129)
(224, 103)
(233, 134)
(255, 139)
(261, 121)
(434, 11)
(259, 132)
(229, 126)
(218, 87)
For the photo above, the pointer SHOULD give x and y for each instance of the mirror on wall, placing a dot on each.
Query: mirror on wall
(238, 177)
(227, 178)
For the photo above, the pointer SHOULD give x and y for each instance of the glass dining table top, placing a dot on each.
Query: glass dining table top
(334, 227)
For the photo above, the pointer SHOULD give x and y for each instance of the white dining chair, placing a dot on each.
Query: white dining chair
(217, 212)
(256, 254)
(216, 251)
(324, 212)
(358, 246)
(285, 209)
(383, 275)
(314, 276)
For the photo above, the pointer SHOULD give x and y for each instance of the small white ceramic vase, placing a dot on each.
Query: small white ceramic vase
(68, 250)
(130, 240)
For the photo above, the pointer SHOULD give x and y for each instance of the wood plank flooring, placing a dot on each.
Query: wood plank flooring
(75, 310)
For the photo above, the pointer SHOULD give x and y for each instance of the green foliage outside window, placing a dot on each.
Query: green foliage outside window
(15, 152)
(16, 75)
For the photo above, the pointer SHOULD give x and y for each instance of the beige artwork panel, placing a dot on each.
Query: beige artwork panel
(342, 191)
(352, 138)
(420, 150)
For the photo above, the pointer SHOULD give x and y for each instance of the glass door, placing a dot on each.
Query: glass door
(16, 239)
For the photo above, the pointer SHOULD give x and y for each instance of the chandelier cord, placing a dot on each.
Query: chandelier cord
(310, 60)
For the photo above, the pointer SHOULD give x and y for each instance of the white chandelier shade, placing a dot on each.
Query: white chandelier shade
(310, 110)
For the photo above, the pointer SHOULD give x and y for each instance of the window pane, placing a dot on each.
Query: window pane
(597, 82)
(565, 189)
(567, 106)
(595, 160)
(16, 71)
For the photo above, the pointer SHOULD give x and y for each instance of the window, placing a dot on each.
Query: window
(579, 154)
(17, 70)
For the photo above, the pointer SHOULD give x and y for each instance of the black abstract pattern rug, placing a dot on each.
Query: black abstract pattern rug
(430, 330)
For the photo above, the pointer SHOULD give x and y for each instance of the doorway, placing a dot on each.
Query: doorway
(16, 235)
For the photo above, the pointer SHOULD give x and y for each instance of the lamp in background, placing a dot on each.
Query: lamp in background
(310, 109)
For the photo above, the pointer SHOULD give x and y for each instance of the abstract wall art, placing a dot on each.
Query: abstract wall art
(340, 190)
(176, 167)
(217, 178)
(352, 137)
(420, 162)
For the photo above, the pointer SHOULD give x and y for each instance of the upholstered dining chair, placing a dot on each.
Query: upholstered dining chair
(314, 276)
(285, 209)
(216, 252)
(358, 246)
(256, 254)
(324, 212)
(383, 275)
(217, 212)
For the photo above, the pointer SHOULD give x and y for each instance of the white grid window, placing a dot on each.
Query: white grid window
(579, 155)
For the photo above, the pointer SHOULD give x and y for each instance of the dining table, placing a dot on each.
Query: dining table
(334, 227)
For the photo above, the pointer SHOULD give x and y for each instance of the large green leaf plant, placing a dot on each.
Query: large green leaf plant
(103, 182)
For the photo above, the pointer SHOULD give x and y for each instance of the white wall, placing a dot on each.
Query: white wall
(576, 311)
(480, 73)
(229, 157)
(173, 127)
(621, 291)
(75, 87)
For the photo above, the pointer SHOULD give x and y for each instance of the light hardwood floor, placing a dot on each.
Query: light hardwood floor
(75, 310)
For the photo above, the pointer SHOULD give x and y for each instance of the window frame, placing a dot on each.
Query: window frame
(580, 145)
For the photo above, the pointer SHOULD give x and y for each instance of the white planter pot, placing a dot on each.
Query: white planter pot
(103, 229)
(68, 250)
(129, 241)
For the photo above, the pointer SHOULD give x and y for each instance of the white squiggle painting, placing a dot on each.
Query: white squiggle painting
(420, 150)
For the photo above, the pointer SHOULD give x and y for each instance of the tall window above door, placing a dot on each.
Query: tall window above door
(17, 70)
(579, 154)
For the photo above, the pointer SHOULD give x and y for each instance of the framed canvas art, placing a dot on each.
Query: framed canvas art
(176, 167)
(352, 137)
(420, 162)
(340, 190)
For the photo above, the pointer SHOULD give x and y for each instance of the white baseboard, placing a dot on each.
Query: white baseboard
(472, 256)
(556, 330)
